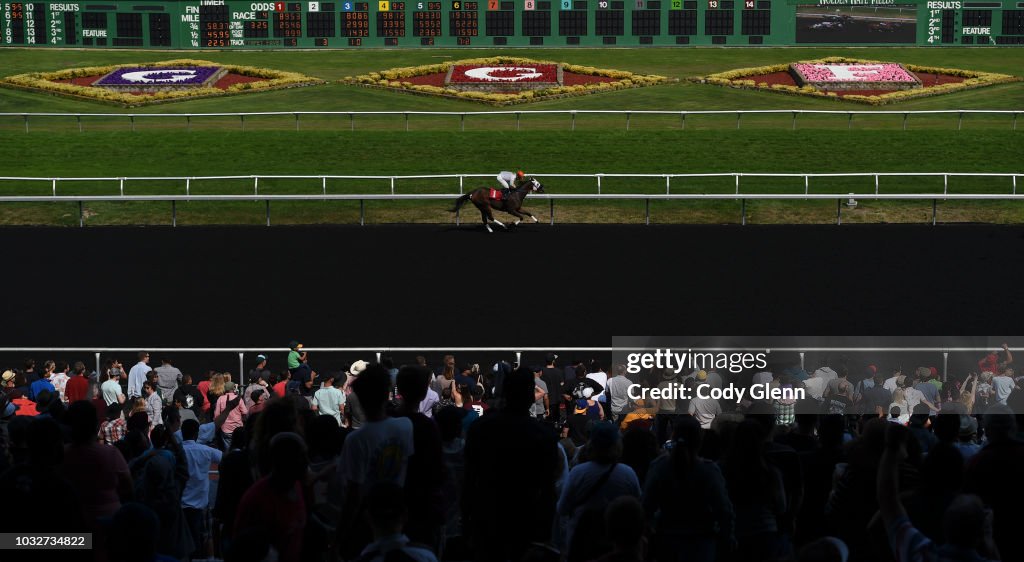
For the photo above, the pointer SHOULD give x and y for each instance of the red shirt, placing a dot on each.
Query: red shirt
(204, 387)
(77, 388)
(279, 388)
(279, 517)
(25, 406)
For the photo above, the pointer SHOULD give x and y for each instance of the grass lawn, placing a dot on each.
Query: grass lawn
(434, 145)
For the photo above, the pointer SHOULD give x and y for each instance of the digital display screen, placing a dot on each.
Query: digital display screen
(896, 23)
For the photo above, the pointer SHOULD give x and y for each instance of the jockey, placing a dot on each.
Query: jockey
(510, 181)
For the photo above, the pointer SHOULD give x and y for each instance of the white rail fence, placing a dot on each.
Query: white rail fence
(267, 198)
(570, 113)
(98, 352)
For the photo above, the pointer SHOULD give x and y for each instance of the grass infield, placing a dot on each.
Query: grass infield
(435, 145)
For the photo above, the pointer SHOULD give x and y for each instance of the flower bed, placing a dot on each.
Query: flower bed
(159, 82)
(873, 84)
(503, 80)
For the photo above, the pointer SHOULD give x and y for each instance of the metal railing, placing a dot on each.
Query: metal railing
(518, 351)
(266, 198)
(518, 114)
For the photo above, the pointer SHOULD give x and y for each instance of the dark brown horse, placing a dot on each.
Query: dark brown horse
(511, 203)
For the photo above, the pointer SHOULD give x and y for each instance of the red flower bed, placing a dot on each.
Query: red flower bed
(786, 78)
(229, 79)
(504, 74)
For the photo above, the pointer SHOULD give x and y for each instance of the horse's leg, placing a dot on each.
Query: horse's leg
(485, 216)
(517, 214)
(529, 214)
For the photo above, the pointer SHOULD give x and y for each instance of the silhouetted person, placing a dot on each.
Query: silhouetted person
(512, 462)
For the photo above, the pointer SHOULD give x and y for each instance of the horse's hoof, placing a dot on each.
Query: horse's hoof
(534, 219)
(489, 229)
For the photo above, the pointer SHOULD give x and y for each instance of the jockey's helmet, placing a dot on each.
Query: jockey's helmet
(520, 174)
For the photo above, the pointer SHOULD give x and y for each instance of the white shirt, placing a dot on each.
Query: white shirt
(913, 397)
(60, 381)
(764, 377)
(136, 377)
(328, 401)
(111, 391)
(507, 177)
(890, 384)
(815, 387)
(1002, 385)
(600, 378)
(826, 374)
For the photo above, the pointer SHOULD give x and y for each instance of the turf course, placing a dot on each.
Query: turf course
(54, 147)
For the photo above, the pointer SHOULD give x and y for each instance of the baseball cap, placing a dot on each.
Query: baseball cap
(357, 368)
(260, 358)
(536, 368)
(550, 358)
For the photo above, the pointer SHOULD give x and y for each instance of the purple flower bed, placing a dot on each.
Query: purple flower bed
(162, 76)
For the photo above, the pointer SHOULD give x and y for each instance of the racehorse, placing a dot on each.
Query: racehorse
(512, 203)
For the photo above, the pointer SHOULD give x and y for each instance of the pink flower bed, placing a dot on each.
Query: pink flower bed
(881, 72)
(503, 74)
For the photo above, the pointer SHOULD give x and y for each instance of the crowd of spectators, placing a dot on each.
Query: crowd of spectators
(555, 462)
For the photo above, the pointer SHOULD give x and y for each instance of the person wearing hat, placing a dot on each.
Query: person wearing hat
(354, 414)
(967, 436)
(298, 361)
(257, 381)
(510, 181)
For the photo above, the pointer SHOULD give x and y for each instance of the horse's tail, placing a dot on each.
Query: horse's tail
(459, 203)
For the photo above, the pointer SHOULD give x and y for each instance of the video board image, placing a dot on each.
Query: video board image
(896, 23)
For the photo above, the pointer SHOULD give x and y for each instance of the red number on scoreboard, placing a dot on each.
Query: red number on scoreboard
(278, 6)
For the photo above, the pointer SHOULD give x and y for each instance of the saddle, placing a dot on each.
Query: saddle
(497, 194)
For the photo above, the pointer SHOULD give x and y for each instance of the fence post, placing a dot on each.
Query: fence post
(462, 122)
(876, 184)
(79, 117)
(406, 121)
(573, 127)
(905, 117)
(599, 184)
(743, 212)
(268, 212)
(188, 123)
(97, 363)
(54, 187)
(174, 213)
(738, 115)
(352, 121)
(945, 364)
(81, 215)
(1014, 121)
(552, 205)
(627, 120)
(647, 211)
(460, 184)
(26, 121)
(960, 121)
(807, 185)
(392, 185)
(839, 211)
(242, 118)
(682, 120)
(1015, 185)
(296, 121)
(362, 212)
(132, 119)
(737, 183)
(849, 121)
(668, 184)
(945, 184)
(188, 186)
(517, 121)
(802, 360)
(256, 185)
(323, 183)
(120, 182)
(935, 205)
(794, 120)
